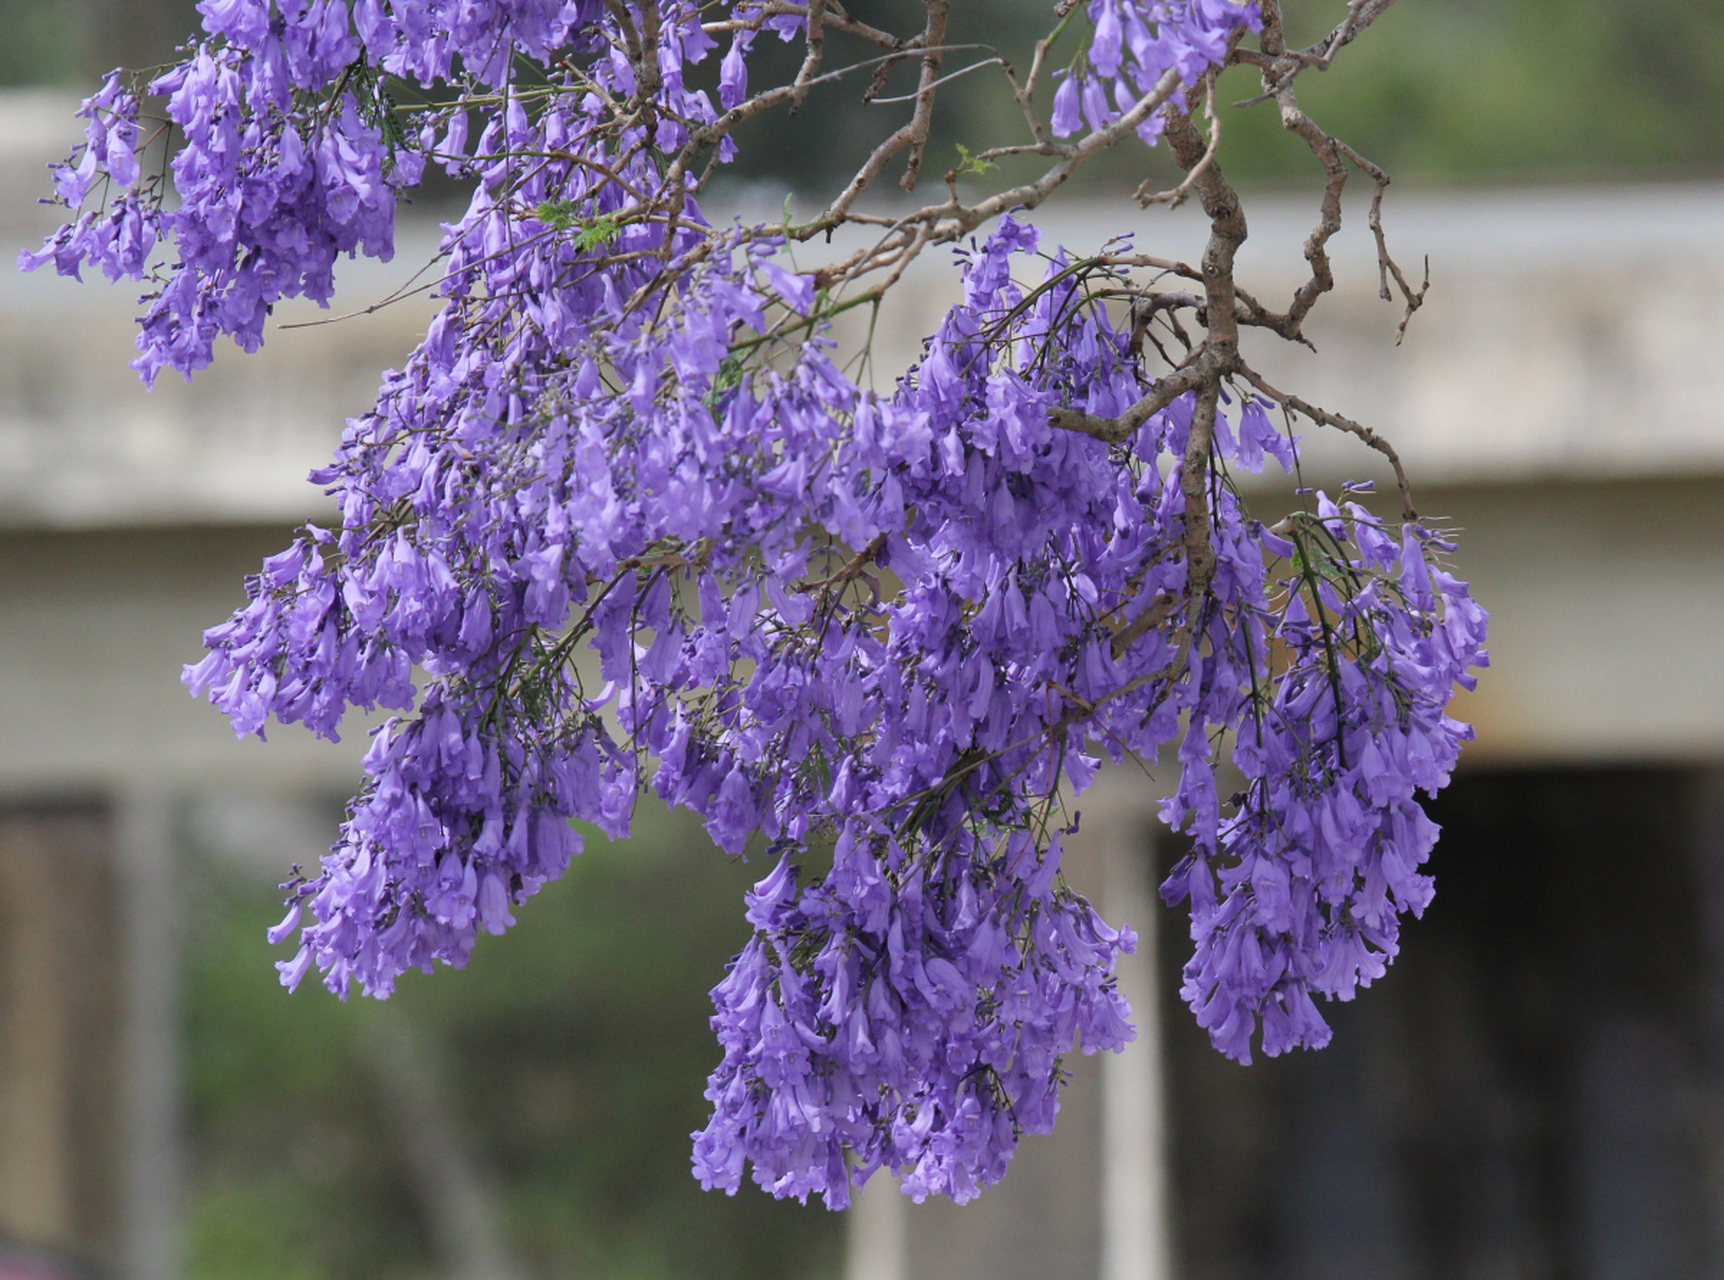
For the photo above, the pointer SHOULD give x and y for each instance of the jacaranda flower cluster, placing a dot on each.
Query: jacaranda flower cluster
(622, 520)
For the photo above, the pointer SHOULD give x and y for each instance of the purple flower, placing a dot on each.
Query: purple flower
(1066, 118)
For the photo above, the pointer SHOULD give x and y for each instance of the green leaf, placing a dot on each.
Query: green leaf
(968, 163)
(565, 215)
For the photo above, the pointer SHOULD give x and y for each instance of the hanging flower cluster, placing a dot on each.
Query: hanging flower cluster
(622, 521)
(1134, 46)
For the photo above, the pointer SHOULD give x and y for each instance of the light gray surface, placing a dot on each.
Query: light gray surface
(83, 444)
(153, 1168)
(94, 628)
(1569, 333)
(1607, 602)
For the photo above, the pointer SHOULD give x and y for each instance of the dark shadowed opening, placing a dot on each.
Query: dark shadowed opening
(1530, 1093)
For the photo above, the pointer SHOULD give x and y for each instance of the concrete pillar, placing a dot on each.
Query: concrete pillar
(59, 1069)
(876, 1246)
(35, 1150)
(152, 894)
(1134, 1213)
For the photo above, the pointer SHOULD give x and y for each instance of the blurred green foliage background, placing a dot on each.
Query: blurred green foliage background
(1512, 90)
(570, 1055)
(1438, 90)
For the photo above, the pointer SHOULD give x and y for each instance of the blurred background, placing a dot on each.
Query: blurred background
(1536, 1091)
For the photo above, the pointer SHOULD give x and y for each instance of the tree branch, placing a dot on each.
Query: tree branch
(1324, 418)
(1119, 430)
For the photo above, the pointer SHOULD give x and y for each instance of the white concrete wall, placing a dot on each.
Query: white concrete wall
(94, 628)
(1570, 333)
(84, 445)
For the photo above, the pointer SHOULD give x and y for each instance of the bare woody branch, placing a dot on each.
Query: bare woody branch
(1325, 418)
(1119, 430)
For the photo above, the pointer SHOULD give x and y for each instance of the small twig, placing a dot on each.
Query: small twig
(1324, 418)
(854, 568)
(1287, 65)
(1118, 430)
(1146, 308)
(1145, 622)
(923, 121)
(816, 40)
(1386, 265)
(1193, 486)
(1176, 197)
(946, 79)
